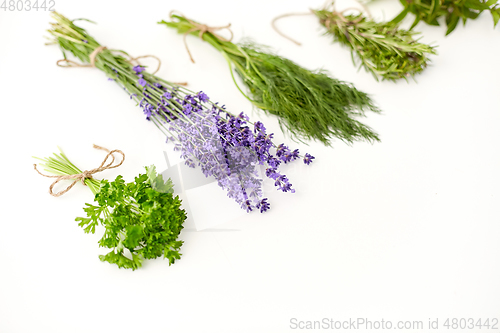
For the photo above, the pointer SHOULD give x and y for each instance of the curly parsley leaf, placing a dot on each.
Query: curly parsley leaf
(157, 182)
(143, 217)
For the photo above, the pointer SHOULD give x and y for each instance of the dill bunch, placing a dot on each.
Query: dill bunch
(382, 48)
(309, 104)
(429, 11)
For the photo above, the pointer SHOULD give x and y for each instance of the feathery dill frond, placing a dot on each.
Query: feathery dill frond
(309, 104)
(306, 102)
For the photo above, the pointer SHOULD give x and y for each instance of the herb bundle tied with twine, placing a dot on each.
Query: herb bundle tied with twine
(309, 104)
(141, 219)
(381, 48)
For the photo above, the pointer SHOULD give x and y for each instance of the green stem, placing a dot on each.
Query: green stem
(60, 165)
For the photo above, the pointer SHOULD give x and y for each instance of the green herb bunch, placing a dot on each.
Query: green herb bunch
(429, 11)
(142, 217)
(382, 48)
(311, 105)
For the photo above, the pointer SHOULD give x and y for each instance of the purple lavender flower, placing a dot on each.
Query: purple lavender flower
(233, 167)
(138, 69)
(224, 146)
(259, 127)
(263, 205)
(273, 162)
(271, 173)
(247, 206)
(308, 158)
(187, 109)
(202, 96)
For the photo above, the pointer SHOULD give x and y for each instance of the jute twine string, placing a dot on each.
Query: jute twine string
(87, 174)
(327, 22)
(202, 28)
(340, 15)
(273, 24)
(93, 55)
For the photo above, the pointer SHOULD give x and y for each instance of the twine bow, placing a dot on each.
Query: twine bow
(93, 55)
(87, 174)
(202, 28)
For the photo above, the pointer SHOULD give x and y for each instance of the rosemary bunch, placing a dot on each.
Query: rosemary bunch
(429, 11)
(382, 48)
(311, 105)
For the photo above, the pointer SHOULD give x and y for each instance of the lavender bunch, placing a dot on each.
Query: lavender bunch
(225, 146)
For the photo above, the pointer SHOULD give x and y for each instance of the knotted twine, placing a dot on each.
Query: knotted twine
(202, 28)
(93, 55)
(327, 22)
(87, 174)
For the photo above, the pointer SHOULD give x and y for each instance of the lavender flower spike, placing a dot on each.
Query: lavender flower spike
(223, 145)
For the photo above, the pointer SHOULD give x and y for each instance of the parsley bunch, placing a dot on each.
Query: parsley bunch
(141, 219)
(430, 11)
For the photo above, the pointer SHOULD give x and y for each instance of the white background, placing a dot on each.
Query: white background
(405, 229)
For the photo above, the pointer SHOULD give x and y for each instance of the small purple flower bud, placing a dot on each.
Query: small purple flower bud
(138, 69)
(308, 159)
(263, 205)
(202, 96)
(247, 206)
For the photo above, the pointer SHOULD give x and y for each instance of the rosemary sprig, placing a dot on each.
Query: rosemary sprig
(429, 11)
(382, 48)
(311, 105)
